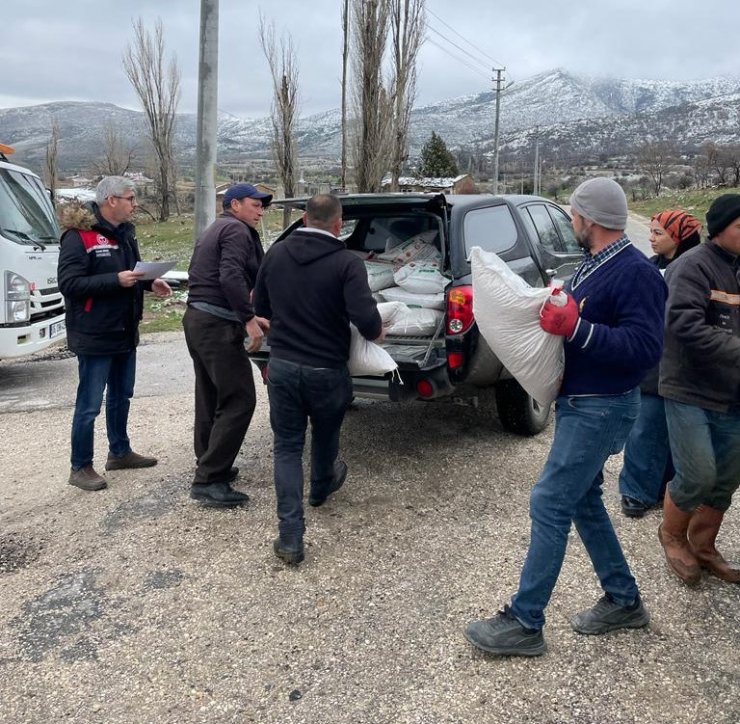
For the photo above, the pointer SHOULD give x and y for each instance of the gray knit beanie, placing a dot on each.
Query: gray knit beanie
(601, 200)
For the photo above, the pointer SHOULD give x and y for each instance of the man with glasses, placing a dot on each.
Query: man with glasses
(104, 302)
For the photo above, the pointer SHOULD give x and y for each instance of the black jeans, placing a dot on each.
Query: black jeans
(224, 392)
(299, 393)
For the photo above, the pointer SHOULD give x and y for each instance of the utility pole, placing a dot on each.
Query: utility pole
(207, 128)
(499, 82)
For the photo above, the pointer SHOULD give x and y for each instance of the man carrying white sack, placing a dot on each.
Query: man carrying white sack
(612, 323)
(310, 287)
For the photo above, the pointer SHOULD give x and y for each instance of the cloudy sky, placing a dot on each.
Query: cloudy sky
(56, 50)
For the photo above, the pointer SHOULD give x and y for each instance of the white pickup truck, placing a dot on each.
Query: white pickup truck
(31, 305)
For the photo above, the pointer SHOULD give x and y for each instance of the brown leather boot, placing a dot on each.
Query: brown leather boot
(702, 533)
(672, 536)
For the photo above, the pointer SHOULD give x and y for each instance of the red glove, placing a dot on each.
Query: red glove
(561, 320)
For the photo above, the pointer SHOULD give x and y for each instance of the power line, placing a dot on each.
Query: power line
(460, 60)
(451, 42)
(472, 45)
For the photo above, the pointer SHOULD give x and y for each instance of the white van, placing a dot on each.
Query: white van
(31, 305)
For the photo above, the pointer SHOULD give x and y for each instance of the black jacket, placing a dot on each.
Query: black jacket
(311, 287)
(102, 316)
(702, 337)
(224, 265)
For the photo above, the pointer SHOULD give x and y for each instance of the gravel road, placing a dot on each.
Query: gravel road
(134, 604)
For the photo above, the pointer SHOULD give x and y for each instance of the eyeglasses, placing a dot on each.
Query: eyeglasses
(130, 199)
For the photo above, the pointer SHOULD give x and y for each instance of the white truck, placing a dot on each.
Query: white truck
(31, 305)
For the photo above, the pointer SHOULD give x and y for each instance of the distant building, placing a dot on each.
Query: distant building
(462, 184)
(138, 178)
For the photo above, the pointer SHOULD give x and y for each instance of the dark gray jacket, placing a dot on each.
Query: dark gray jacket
(224, 265)
(700, 364)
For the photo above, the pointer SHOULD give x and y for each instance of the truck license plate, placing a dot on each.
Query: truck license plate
(56, 329)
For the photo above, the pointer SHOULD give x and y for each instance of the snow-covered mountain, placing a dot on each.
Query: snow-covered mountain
(574, 117)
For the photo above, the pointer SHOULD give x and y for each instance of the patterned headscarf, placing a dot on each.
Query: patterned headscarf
(679, 224)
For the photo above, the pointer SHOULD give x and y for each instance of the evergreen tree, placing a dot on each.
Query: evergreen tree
(436, 159)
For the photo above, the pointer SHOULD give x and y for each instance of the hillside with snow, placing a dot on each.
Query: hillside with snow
(572, 117)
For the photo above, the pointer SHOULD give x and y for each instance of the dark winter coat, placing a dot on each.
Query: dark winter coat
(102, 317)
(311, 287)
(619, 334)
(224, 266)
(702, 335)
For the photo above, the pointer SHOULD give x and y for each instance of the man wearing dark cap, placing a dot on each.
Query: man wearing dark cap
(700, 381)
(612, 324)
(219, 318)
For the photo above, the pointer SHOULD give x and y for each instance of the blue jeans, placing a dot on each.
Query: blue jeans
(117, 374)
(299, 393)
(706, 448)
(647, 453)
(587, 431)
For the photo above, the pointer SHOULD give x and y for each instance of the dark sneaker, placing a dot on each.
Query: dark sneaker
(129, 460)
(289, 549)
(87, 479)
(607, 616)
(634, 508)
(340, 475)
(217, 495)
(505, 636)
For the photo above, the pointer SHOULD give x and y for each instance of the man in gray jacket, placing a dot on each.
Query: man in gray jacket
(700, 381)
(219, 317)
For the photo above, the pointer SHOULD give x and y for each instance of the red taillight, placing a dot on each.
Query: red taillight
(455, 360)
(425, 388)
(459, 310)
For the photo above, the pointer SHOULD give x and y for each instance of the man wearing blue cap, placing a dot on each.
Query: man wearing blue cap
(218, 319)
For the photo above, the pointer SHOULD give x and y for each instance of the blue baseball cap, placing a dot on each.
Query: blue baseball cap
(245, 191)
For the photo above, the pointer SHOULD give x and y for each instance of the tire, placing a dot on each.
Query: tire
(518, 412)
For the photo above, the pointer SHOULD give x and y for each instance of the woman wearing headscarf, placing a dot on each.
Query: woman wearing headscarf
(647, 455)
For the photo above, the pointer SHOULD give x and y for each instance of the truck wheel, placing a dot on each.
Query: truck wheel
(517, 411)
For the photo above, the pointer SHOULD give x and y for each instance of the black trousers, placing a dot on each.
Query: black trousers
(224, 392)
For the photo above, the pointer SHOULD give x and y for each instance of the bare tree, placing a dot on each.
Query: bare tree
(721, 164)
(732, 160)
(345, 55)
(118, 155)
(51, 163)
(373, 106)
(655, 159)
(158, 86)
(284, 72)
(407, 35)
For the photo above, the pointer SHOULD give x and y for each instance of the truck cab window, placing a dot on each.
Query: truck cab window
(566, 231)
(26, 214)
(492, 229)
(546, 231)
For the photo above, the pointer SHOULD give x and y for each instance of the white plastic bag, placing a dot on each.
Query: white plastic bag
(418, 248)
(366, 357)
(405, 321)
(507, 311)
(428, 301)
(379, 275)
(421, 278)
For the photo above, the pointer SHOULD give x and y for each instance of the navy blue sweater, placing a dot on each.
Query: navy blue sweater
(619, 336)
(311, 287)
